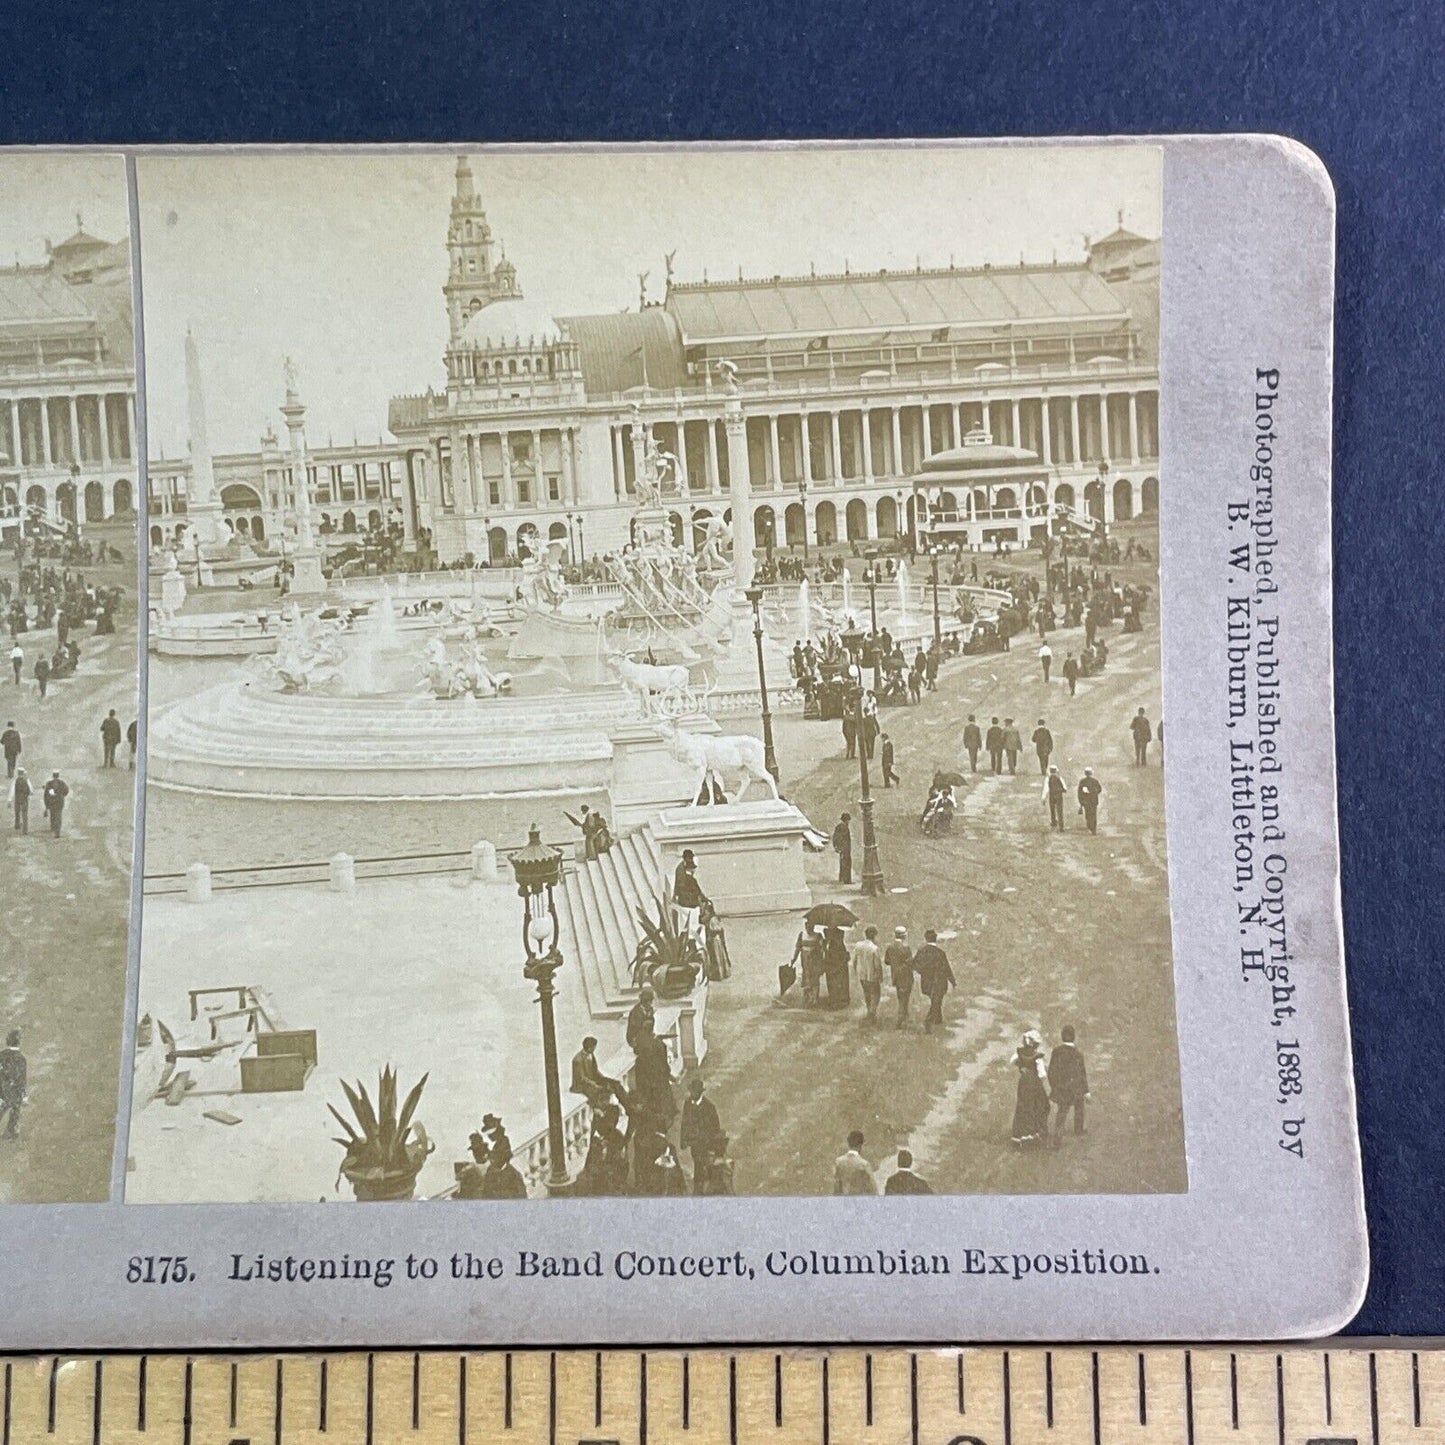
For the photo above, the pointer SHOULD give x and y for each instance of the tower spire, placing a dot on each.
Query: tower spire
(474, 278)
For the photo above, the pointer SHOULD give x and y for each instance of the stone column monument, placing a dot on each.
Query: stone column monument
(204, 518)
(306, 580)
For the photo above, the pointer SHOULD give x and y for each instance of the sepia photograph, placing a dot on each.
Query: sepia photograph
(654, 672)
(69, 474)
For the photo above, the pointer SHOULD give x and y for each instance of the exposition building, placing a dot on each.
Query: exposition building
(67, 386)
(1000, 392)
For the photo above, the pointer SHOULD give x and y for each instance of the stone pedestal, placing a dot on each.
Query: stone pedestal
(749, 854)
(306, 580)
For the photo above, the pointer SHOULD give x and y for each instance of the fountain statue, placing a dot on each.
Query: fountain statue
(309, 652)
(468, 675)
(543, 585)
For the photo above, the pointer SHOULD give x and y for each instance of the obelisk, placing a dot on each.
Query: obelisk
(203, 506)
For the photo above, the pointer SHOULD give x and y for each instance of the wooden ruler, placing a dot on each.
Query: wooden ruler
(1391, 1394)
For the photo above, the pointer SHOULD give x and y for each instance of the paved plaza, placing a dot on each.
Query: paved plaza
(1041, 928)
(64, 926)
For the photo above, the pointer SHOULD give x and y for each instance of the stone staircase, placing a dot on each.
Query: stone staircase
(600, 930)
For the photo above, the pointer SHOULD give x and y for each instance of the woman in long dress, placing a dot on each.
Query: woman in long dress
(1031, 1110)
(835, 967)
(719, 964)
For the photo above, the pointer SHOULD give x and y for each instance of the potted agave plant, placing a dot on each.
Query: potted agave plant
(667, 958)
(385, 1149)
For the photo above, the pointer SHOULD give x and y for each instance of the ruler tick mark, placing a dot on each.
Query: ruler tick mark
(1049, 1388)
(140, 1391)
(1189, 1397)
(642, 1401)
(731, 1400)
(415, 1392)
(507, 1393)
(1008, 1409)
(96, 1408)
(597, 1390)
(826, 1422)
(552, 1398)
(280, 1400)
(370, 1399)
(1279, 1394)
(1233, 1393)
(462, 1399)
(686, 1393)
(1143, 1393)
(1374, 1404)
(778, 1391)
(1329, 1393)
(187, 1413)
(868, 1390)
(1415, 1384)
(321, 1401)
(5, 1423)
(54, 1377)
(1094, 1384)
(913, 1397)
(961, 1396)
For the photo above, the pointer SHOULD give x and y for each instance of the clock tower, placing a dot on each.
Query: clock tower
(474, 278)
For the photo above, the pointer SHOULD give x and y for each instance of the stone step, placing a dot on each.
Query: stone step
(579, 944)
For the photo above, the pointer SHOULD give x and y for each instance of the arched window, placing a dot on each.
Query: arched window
(94, 502)
(348, 521)
(1123, 499)
(557, 532)
(157, 536)
(794, 522)
(65, 500)
(856, 520)
(1064, 496)
(497, 545)
(121, 495)
(825, 524)
(1149, 497)
(258, 529)
(1094, 500)
(887, 517)
(765, 528)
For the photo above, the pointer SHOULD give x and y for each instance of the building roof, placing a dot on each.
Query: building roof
(971, 457)
(614, 347)
(891, 301)
(36, 297)
(1119, 239)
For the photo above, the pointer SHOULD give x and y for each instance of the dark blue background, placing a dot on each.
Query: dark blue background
(1360, 83)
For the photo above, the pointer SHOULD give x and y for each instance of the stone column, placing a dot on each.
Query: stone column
(865, 434)
(1104, 448)
(566, 438)
(807, 444)
(714, 472)
(1074, 427)
(619, 464)
(1017, 438)
(1133, 426)
(75, 441)
(1046, 432)
(836, 441)
(509, 497)
(104, 430)
(473, 481)
(539, 474)
(17, 446)
(776, 451)
(897, 468)
(958, 423)
(739, 491)
(45, 449)
(925, 418)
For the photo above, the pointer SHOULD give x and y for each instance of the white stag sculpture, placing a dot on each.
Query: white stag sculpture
(718, 757)
(645, 678)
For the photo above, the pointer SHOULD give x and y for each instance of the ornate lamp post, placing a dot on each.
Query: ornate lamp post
(539, 869)
(937, 626)
(770, 756)
(870, 577)
(872, 879)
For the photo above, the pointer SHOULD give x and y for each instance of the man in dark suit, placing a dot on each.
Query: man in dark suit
(994, 742)
(53, 795)
(1089, 789)
(889, 775)
(972, 742)
(1068, 1082)
(905, 1181)
(843, 847)
(587, 1076)
(701, 1133)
